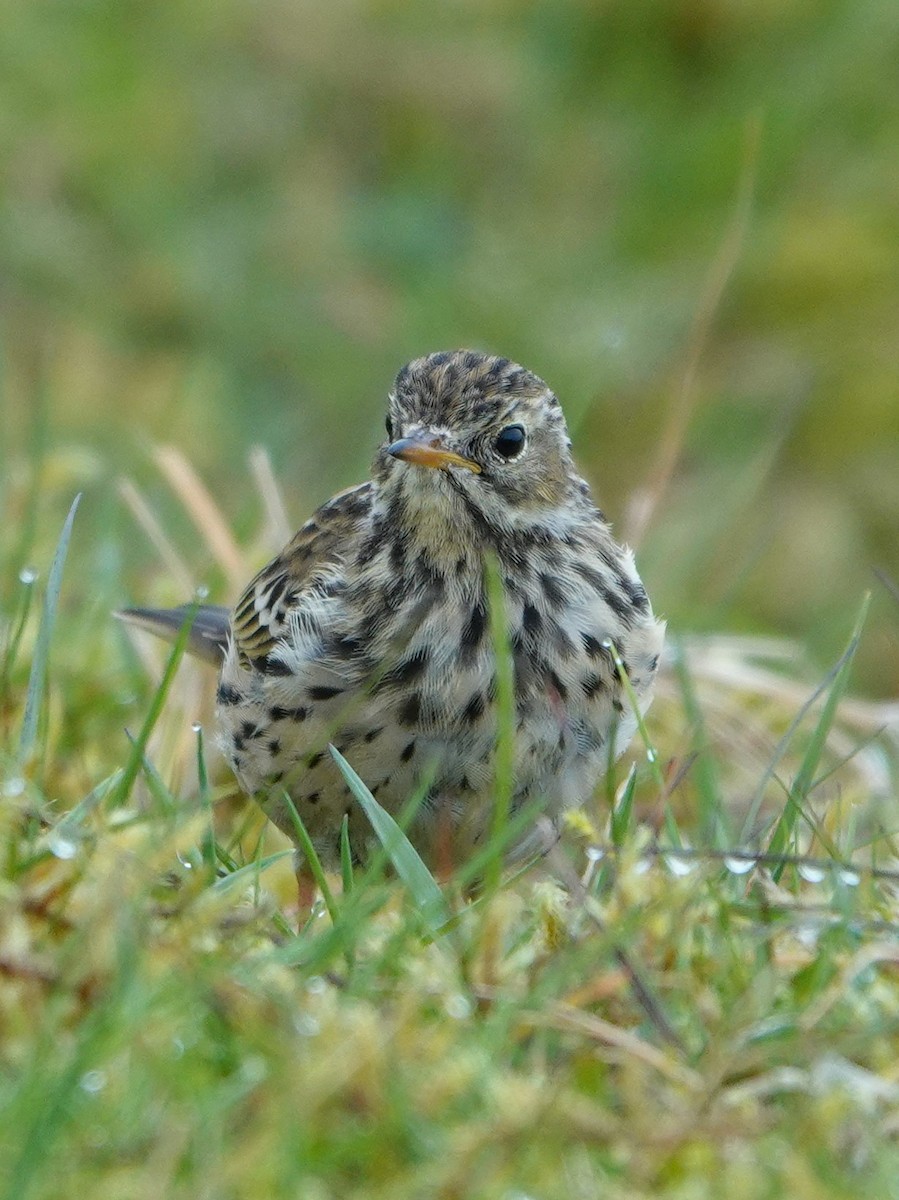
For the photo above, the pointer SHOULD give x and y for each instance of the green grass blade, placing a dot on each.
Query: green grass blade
(749, 829)
(17, 624)
(249, 872)
(346, 856)
(805, 776)
(305, 843)
(167, 803)
(210, 855)
(622, 814)
(38, 675)
(652, 755)
(402, 854)
(75, 818)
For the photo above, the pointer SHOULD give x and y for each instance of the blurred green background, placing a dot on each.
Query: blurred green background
(228, 223)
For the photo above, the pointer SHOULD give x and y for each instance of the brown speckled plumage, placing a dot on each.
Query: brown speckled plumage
(371, 629)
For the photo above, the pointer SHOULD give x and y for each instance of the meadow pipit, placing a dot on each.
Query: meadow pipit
(372, 631)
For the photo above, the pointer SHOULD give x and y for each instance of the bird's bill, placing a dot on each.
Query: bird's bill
(427, 452)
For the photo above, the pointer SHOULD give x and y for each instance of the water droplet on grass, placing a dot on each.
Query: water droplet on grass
(202, 592)
(93, 1082)
(849, 877)
(14, 786)
(739, 865)
(679, 865)
(811, 872)
(61, 846)
(457, 1006)
(595, 854)
(28, 576)
(196, 727)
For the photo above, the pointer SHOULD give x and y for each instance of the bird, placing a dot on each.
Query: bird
(375, 628)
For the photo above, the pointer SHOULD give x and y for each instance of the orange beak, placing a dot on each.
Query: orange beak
(427, 452)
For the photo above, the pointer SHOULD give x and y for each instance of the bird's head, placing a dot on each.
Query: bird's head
(469, 432)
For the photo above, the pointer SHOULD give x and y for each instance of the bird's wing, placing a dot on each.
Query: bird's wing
(261, 614)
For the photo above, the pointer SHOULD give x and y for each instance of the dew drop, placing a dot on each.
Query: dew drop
(196, 727)
(651, 755)
(202, 592)
(61, 846)
(849, 877)
(93, 1082)
(595, 854)
(808, 935)
(606, 643)
(316, 985)
(306, 1025)
(457, 1006)
(28, 576)
(642, 865)
(739, 866)
(678, 865)
(14, 786)
(811, 873)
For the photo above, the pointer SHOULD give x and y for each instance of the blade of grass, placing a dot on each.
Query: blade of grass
(652, 755)
(27, 516)
(799, 792)
(749, 824)
(622, 814)
(75, 817)
(18, 622)
(249, 872)
(37, 678)
(210, 855)
(312, 859)
(402, 854)
(168, 804)
(346, 856)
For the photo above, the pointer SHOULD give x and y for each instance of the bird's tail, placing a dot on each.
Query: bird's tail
(210, 627)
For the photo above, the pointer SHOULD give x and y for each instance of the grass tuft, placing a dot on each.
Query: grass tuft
(37, 677)
(652, 1009)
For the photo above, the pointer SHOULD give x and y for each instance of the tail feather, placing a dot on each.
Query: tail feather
(209, 631)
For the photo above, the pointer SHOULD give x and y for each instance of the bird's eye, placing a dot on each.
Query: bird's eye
(388, 424)
(510, 441)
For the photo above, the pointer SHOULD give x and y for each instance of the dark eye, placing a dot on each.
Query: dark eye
(388, 424)
(510, 442)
